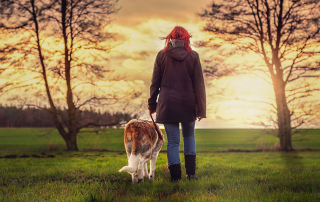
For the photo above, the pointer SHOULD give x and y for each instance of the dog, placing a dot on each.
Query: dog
(143, 141)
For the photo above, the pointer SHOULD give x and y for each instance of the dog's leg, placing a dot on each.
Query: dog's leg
(140, 170)
(145, 170)
(153, 162)
(134, 177)
(128, 155)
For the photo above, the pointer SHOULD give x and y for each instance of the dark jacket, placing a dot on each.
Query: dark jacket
(178, 79)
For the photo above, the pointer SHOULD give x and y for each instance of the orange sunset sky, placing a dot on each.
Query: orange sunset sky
(140, 23)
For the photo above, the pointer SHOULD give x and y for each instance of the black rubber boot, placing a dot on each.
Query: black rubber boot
(175, 172)
(190, 164)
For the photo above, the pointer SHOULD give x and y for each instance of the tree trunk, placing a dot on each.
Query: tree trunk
(72, 135)
(71, 142)
(283, 113)
(54, 112)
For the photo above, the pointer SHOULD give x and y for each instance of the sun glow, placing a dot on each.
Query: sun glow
(237, 101)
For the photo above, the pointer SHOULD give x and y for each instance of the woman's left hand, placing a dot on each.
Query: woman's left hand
(199, 118)
(151, 111)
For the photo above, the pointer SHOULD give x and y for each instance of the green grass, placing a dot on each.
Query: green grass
(35, 139)
(93, 176)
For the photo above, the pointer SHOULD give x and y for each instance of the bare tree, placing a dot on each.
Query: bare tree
(63, 43)
(286, 35)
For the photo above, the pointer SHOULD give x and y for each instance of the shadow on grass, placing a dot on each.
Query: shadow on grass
(78, 178)
(295, 177)
(118, 187)
(293, 161)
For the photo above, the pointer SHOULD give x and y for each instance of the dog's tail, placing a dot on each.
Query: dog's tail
(133, 164)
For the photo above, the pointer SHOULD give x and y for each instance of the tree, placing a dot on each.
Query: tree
(63, 42)
(286, 35)
(20, 116)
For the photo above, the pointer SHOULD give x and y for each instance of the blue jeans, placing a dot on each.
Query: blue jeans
(173, 138)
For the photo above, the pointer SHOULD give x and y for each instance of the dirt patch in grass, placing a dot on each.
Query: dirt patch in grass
(10, 156)
(44, 155)
(218, 151)
(13, 156)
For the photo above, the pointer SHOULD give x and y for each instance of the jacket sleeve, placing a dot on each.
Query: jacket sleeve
(155, 83)
(199, 88)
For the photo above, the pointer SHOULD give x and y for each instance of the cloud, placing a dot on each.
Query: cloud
(135, 58)
(139, 26)
(179, 11)
(140, 44)
(220, 118)
(144, 54)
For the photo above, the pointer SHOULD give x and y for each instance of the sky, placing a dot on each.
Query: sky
(141, 24)
(138, 26)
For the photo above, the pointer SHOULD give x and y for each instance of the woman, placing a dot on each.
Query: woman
(178, 79)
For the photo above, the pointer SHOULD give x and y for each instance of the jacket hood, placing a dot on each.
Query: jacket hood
(177, 50)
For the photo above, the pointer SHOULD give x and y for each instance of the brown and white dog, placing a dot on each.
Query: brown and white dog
(142, 141)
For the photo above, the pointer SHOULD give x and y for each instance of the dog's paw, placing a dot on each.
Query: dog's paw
(145, 175)
(138, 181)
(151, 178)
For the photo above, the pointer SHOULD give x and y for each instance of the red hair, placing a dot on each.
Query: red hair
(179, 33)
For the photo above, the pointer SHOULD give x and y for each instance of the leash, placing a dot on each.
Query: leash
(157, 129)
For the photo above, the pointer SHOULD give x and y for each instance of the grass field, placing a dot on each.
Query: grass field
(40, 175)
(35, 139)
(94, 176)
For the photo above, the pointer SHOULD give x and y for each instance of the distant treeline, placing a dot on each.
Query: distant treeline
(12, 116)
